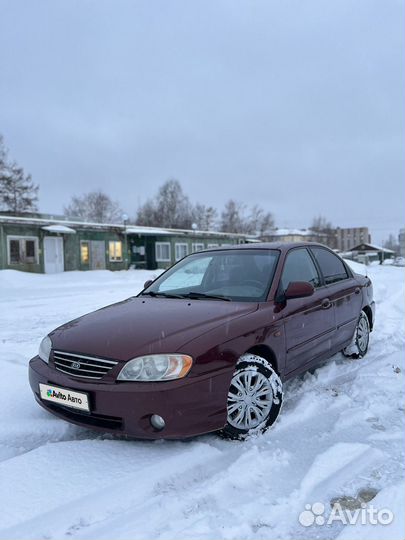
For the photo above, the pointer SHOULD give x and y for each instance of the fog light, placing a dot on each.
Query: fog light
(157, 422)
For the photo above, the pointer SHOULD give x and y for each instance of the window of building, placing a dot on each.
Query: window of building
(22, 250)
(332, 267)
(212, 245)
(115, 250)
(14, 249)
(196, 247)
(181, 251)
(299, 267)
(30, 250)
(84, 252)
(162, 252)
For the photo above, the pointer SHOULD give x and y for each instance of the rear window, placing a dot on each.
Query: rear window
(331, 265)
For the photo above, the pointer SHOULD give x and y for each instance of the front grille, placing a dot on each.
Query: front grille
(82, 366)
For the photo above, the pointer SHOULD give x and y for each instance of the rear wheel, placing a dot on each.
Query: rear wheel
(254, 398)
(359, 346)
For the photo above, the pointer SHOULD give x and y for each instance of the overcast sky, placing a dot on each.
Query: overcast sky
(297, 105)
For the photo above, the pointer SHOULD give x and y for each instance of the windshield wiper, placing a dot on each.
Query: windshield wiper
(195, 295)
(162, 294)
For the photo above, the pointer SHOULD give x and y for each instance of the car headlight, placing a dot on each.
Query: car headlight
(156, 367)
(45, 349)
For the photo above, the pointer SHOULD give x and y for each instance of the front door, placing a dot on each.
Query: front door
(53, 254)
(309, 323)
(97, 255)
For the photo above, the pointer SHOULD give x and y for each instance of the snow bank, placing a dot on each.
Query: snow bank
(357, 267)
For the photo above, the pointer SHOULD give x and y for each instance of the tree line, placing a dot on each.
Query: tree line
(169, 208)
(172, 208)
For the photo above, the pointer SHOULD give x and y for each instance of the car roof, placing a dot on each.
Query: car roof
(282, 246)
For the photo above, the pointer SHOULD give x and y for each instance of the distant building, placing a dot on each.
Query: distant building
(401, 242)
(346, 238)
(42, 244)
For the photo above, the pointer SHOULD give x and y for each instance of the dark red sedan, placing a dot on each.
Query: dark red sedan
(207, 345)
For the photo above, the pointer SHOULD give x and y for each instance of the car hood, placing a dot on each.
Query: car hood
(139, 326)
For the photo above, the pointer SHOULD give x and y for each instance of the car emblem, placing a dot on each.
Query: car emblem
(76, 365)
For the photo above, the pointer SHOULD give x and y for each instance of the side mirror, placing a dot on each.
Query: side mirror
(298, 289)
(147, 283)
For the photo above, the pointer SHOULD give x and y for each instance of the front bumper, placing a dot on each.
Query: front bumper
(190, 406)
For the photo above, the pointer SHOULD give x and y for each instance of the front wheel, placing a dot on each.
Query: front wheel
(254, 399)
(359, 345)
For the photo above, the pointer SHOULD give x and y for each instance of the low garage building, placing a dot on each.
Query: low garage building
(37, 243)
(367, 253)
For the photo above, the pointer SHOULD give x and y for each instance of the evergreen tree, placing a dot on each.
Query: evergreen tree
(18, 193)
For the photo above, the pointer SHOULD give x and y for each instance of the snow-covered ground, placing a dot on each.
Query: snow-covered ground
(341, 431)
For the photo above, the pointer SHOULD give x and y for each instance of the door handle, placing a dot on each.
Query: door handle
(357, 290)
(326, 303)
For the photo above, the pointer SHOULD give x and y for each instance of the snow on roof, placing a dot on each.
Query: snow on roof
(147, 231)
(34, 220)
(370, 247)
(59, 229)
(133, 228)
(291, 232)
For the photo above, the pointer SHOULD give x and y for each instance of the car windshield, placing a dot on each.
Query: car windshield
(241, 275)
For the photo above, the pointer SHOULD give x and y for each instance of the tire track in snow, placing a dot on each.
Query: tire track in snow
(208, 488)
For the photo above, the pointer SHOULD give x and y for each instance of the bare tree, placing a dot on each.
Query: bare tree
(204, 217)
(392, 244)
(18, 193)
(3, 155)
(95, 206)
(259, 221)
(326, 231)
(234, 219)
(171, 208)
(147, 215)
(321, 224)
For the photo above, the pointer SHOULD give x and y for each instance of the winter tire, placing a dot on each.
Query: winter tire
(359, 345)
(254, 399)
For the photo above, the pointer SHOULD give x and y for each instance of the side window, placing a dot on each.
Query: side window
(299, 267)
(331, 266)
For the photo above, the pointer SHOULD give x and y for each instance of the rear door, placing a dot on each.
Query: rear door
(343, 290)
(309, 323)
